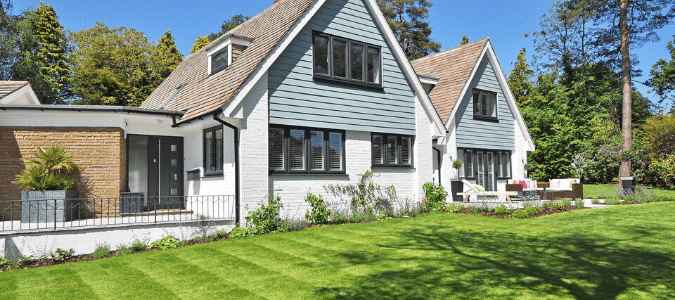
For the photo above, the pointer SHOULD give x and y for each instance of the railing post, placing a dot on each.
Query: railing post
(54, 214)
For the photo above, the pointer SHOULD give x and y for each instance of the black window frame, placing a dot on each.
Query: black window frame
(227, 60)
(348, 80)
(214, 148)
(326, 154)
(399, 154)
(479, 115)
(496, 157)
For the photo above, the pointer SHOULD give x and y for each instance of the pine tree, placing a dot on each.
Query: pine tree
(8, 39)
(201, 42)
(518, 80)
(406, 19)
(43, 55)
(465, 40)
(228, 25)
(166, 58)
(662, 80)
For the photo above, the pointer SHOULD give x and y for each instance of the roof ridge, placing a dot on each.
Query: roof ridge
(452, 49)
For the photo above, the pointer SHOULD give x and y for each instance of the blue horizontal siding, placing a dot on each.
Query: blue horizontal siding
(297, 100)
(483, 134)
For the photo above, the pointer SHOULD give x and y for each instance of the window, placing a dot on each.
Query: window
(346, 60)
(504, 164)
(460, 156)
(469, 164)
(305, 150)
(219, 61)
(213, 151)
(485, 165)
(390, 150)
(484, 105)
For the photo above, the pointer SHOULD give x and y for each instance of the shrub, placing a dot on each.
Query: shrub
(502, 210)
(366, 195)
(457, 164)
(370, 216)
(454, 208)
(238, 232)
(51, 169)
(291, 225)
(220, 234)
(531, 211)
(611, 201)
(319, 213)
(101, 251)
(338, 218)
(435, 195)
(123, 250)
(4, 262)
(595, 201)
(474, 209)
(566, 203)
(138, 245)
(62, 255)
(266, 218)
(167, 242)
(520, 214)
(356, 217)
(27, 260)
(579, 203)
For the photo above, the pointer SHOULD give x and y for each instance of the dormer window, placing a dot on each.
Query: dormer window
(219, 61)
(225, 51)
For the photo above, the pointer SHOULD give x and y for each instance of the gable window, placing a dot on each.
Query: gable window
(305, 150)
(213, 151)
(390, 150)
(484, 105)
(219, 61)
(347, 60)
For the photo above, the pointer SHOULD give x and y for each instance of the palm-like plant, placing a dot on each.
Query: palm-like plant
(51, 169)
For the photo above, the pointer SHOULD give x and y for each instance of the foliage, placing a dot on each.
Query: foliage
(579, 203)
(4, 262)
(337, 217)
(531, 211)
(457, 164)
(454, 208)
(292, 225)
(220, 234)
(406, 19)
(595, 201)
(519, 79)
(366, 195)
(435, 195)
(166, 56)
(474, 209)
(228, 25)
(8, 39)
(357, 217)
(123, 250)
(658, 132)
(42, 57)
(578, 165)
(266, 218)
(502, 210)
(520, 214)
(662, 76)
(370, 216)
(51, 169)
(61, 255)
(166, 242)
(101, 251)
(320, 212)
(465, 40)
(566, 203)
(665, 169)
(138, 245)
(611, 201)
(238, 232)
(200, 42)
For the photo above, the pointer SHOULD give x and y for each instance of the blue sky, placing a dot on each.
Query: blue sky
(505, 22)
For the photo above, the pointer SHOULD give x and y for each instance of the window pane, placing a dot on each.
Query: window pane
(356, 59)
(339, 58)
(406, 150)
(276, 148)
(219, 150)
(374, 67)
(490, 172)
(378, 149)
(476, 103)
(506, 161)
(316, 151)
(219, 61)
(208, 151)
(481, 169)
(460, 156)
(483, 104)
(469, 164)
(335, 151)
(321, 55)
(392, 154)
(296, 150)
(493, 105)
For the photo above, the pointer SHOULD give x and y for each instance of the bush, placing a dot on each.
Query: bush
(520, 214)
(51, 169)
(101, 251)
(4, 262)
(579, 203)
(531, 211)
(595, 201)
(453, 208)
(220, 234)
(338, 218)
(62, 255)
(611, 201)
(238, 232)
(356, 217)
(435, 195)
(502, 210)
(566, 203)
(266, 218)
(123, 250)
(291, 225)
(665, 170)
(474, 209)
(319, 213)
(167, 242)
(138, 245)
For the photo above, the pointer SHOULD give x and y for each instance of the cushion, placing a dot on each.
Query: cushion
(479, 188)
(554, 183)
(523, 183)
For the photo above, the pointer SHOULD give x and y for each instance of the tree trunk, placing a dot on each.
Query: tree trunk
(627, 112)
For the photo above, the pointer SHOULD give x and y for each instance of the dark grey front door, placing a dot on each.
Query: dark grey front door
(165, 174)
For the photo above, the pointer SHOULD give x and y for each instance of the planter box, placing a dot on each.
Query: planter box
(49, 206)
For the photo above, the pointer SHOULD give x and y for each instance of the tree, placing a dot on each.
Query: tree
(228, 25)
(662, 80)
(43, 54)
(465, 40)
(166, 56)
(406, 19)
(518, 79)
(8, 39)
(112, 66)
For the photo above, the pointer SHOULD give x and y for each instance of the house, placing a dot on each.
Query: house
(306, 94)
(17, 93)
(484, 127)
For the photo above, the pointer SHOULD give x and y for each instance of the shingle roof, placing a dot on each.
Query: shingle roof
(8, 87)
(204, 94)
(453, 67)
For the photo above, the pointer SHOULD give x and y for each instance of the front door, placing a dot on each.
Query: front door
(165, 176)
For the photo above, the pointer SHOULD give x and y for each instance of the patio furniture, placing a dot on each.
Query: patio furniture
(477, 190)
(556, 188)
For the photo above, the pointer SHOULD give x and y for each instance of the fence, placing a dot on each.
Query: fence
(19, 215)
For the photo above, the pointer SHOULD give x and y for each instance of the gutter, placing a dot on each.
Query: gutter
(237, 203)
(93, 108)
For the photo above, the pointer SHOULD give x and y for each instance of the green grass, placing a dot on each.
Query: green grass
(621, 252)
(604, 191)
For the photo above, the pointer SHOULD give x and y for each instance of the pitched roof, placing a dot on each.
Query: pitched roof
(203, 94)
(8, 87)
(453, 67)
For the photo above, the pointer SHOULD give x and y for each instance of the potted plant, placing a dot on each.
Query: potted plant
(456, 185)
(47, 183)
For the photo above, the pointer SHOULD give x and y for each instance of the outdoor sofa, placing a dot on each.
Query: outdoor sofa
(570, 188)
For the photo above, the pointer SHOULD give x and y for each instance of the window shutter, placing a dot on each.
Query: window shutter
(481, 169)
(469, 164)
(335, 151)
(378, 149)
(276, 148)
(296, 151)
(316, 151)
(406, 150)
(506, 161)
(490, 172)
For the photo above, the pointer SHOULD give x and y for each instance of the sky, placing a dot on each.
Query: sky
(504, 21)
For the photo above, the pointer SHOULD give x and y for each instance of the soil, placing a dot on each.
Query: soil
(545, 212)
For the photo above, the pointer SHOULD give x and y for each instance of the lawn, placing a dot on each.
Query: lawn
(621, 252)
(604, 191)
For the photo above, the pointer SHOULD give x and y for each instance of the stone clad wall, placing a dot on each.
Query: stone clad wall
(101, 152)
